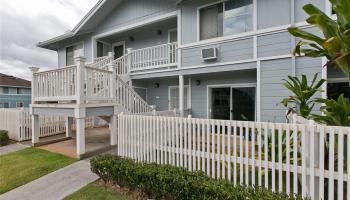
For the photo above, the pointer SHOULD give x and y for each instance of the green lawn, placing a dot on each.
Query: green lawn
(21, 167)
(94, 191)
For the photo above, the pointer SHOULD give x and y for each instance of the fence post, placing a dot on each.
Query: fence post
(34, 82)
(80, 95)
(312, 160)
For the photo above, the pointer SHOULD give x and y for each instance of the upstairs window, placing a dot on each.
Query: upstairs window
(228, 18)
(102, 49)
(4, 90)
(72, 52)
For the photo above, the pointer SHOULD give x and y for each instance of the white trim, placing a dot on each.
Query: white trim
(71, 45)
(87, 17)
(217, 64)
(258, 91)
(120, 43)
(234, 85)
(240, 36)
(336, 80)
(177, 86)
(137, 24)
(172, 30)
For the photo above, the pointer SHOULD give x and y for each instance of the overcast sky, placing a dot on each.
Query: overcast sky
(24, 23)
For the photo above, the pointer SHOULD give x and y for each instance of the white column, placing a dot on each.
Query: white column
(181, 95)
(35, 129)
(80, 61)
(80, 135)
(69, 121)
(33, 86)
(113, 130)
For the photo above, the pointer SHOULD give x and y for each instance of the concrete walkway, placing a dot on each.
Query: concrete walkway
(12, 148)
(55, 185)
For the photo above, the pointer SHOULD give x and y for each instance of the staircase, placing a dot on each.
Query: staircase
(126, 97)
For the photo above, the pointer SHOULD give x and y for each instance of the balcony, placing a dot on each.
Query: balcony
(151, 58)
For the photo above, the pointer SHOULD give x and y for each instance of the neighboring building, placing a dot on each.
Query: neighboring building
(252, 52)
(14, 92)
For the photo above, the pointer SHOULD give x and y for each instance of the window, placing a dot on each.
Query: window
(19, 105)
(102, 49)
(72, 52)
(4, 90)
(334, 90)
(4, 105)
(228, 18)
(174, 97)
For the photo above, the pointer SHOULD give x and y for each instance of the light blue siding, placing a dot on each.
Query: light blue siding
(229, 51)
(273, 13)
(159, 96)
(274, 44)
(86, 39)
(133, 11)
(12, 97)
(300, 15)
(272, 90)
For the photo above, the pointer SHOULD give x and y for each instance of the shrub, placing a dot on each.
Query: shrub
(4, 138)
(168, 182)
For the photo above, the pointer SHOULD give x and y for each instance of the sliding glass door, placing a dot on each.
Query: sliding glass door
(233, 103)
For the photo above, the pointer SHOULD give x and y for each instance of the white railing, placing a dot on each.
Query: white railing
(153, 57)
(81, 83)
(53, 85)
(159, 56)
(129, 99)
(102, 62)
(291, 158)
(98, 84)
(121, 65)
(18, 123)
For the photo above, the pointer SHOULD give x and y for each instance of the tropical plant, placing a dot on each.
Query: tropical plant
(302, 101)
(335, 43)
(336, 112)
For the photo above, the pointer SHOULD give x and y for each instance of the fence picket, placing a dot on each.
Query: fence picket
(235, 150)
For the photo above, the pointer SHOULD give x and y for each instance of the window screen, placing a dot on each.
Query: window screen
(73, 51)
(211, 21)
(99, 49)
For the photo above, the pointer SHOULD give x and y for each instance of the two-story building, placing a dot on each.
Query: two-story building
(14, 92)
(214, 59)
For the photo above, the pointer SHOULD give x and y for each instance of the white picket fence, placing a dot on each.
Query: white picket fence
(18, 123)
(307, 159)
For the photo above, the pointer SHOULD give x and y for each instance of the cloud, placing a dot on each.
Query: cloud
(24, 23)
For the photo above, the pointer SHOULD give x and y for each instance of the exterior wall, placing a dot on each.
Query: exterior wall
(199, 93)
(86, 39)
(144, 37)
(133, 11)
(12, 97)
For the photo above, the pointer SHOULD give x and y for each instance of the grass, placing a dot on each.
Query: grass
(95, 191)
(21, 167)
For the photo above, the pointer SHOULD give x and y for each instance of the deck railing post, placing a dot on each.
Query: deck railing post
(34, 82)
(113, 77)
(129, 60)
(80, 95)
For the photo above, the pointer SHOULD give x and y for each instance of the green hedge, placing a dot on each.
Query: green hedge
(4, 138)
(168, 182)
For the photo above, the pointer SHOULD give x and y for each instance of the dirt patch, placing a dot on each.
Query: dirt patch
(132, 194)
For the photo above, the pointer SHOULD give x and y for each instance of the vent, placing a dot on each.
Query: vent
(209, 54)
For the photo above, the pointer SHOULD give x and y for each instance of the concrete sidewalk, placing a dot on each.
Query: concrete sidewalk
(12, 148)
(55, 185)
